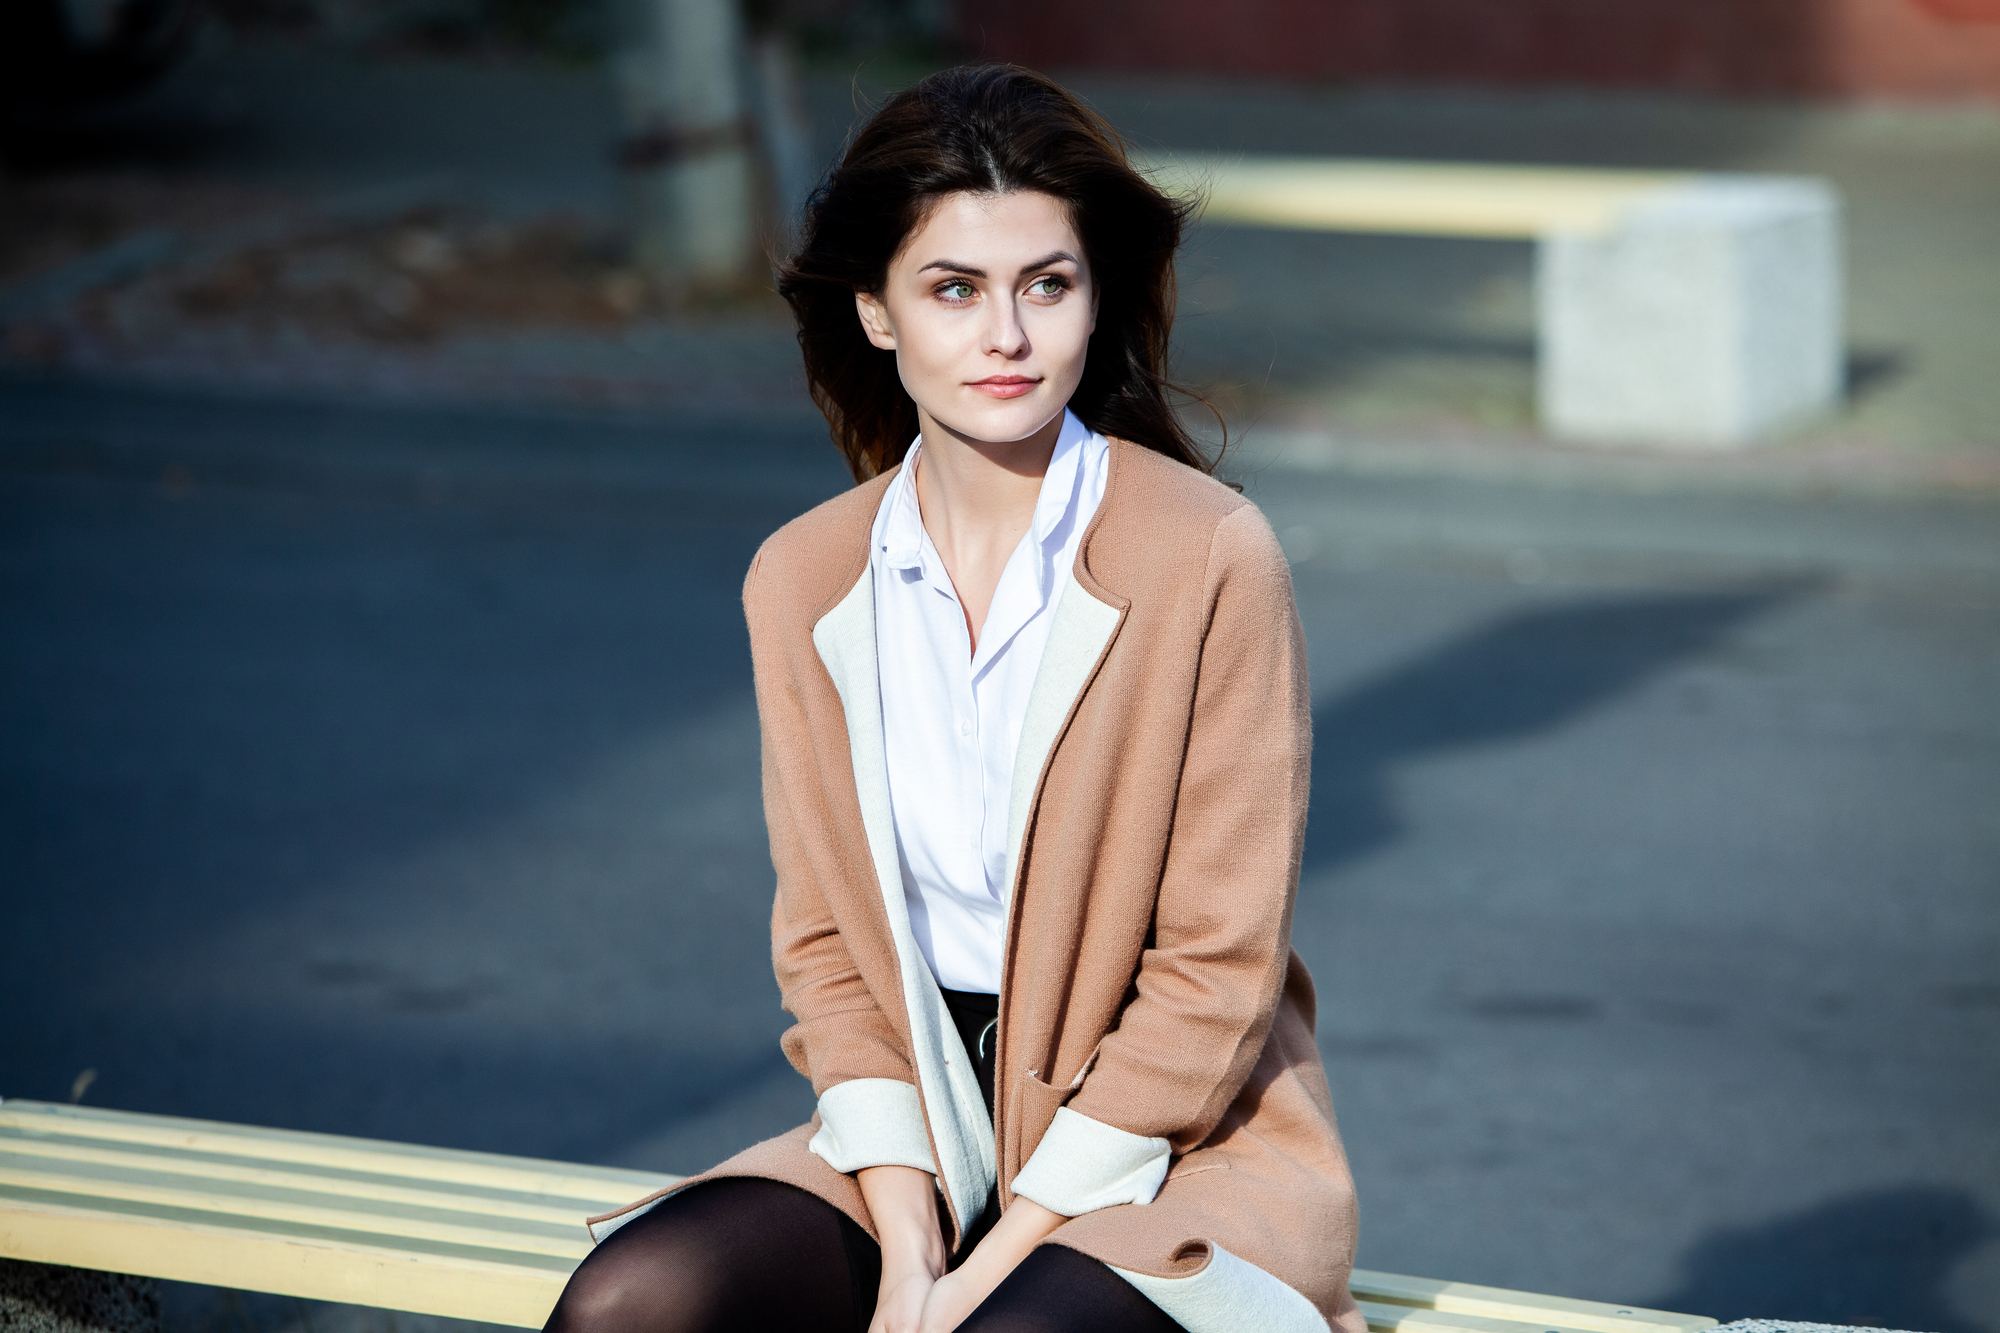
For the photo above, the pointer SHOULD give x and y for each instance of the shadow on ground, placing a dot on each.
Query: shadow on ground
(1525, 673)
(1880, 1259)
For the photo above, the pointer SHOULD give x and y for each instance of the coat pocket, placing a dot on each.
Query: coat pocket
(1196, 1162)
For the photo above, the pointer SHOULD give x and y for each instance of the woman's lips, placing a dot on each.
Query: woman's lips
(1005, 386)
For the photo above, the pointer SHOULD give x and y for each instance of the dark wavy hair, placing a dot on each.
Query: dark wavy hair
(987, 129)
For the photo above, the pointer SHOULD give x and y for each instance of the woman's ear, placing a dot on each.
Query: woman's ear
(875, 320)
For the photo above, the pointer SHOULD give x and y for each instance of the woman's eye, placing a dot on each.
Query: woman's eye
(1050, 285)
(956, 291)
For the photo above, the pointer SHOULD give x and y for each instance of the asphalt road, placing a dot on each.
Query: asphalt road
(394, 773)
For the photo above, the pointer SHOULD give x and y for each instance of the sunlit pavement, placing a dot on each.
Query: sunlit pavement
(393, 772)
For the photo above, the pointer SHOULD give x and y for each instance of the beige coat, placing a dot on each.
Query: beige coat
(1154, 1020)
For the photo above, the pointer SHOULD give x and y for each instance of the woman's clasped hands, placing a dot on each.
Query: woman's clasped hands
(917, 1294)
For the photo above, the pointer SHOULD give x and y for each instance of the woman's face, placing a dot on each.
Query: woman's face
(989, 308)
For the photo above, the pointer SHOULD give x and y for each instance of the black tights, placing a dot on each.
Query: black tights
(742, 1255)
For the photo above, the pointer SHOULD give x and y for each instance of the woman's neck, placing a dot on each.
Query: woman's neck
(977, 498)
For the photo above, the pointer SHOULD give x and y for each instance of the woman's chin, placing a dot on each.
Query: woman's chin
(1001, 421)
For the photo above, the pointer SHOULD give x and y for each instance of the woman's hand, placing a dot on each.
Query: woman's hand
(952, 1298)
(902, 1201)
(1020, 1229)
(902, 1301)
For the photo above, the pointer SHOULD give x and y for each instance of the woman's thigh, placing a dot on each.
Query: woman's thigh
(738, 1254)
(1060, 1290)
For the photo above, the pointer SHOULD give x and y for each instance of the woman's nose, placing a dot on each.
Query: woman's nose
(1004, 333)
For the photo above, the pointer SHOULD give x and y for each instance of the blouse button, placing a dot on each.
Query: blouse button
(965, 726)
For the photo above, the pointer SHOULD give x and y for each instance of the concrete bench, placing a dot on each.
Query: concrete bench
(436, 1231)
(1673, 309)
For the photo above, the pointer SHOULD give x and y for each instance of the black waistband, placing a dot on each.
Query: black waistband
(972, 1001)
(976, 1015)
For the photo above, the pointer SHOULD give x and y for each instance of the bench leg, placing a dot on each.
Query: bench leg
(1709, 318)
(48, 1298)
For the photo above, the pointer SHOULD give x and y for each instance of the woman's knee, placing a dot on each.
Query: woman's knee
(609, 1294)
(651, 1276)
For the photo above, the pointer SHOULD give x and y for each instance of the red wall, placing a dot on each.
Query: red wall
(1894, 48)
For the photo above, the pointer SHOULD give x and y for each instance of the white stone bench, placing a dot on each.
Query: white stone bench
(437, 1231)
(1676, 309)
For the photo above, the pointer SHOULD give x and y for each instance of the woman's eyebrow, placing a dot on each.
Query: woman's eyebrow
(1052, 257)
(955, 266)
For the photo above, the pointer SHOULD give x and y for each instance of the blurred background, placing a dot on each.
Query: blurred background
(392, 396)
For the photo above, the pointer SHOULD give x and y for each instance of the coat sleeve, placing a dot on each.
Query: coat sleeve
(1210, 979)
(869, 1110)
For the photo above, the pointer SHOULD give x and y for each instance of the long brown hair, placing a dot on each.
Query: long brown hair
(987, 129)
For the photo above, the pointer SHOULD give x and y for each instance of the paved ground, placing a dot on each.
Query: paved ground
(392, 772)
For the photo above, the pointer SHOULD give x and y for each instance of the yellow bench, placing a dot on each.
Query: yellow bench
(1672, 308)
(438, 1231)
(1419, 198)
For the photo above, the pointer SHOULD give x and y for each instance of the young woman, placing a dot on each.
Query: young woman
(1036, 752)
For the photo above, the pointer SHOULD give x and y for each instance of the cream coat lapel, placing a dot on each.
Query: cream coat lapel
(1080, 633)
(961, 1133)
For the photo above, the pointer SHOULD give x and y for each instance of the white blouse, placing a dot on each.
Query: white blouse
(952, 718)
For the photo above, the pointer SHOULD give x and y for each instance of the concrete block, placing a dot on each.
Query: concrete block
(49, 1298)
(1710, 316)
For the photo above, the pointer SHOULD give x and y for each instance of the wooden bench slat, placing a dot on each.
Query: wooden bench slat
(437, 1281)
(289, 1207)
(606, 1185)
(398, 1170)
(418, 1249)
(1413, 1319)
(1521, 1306)
(214, 1166)
(1426, 198)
